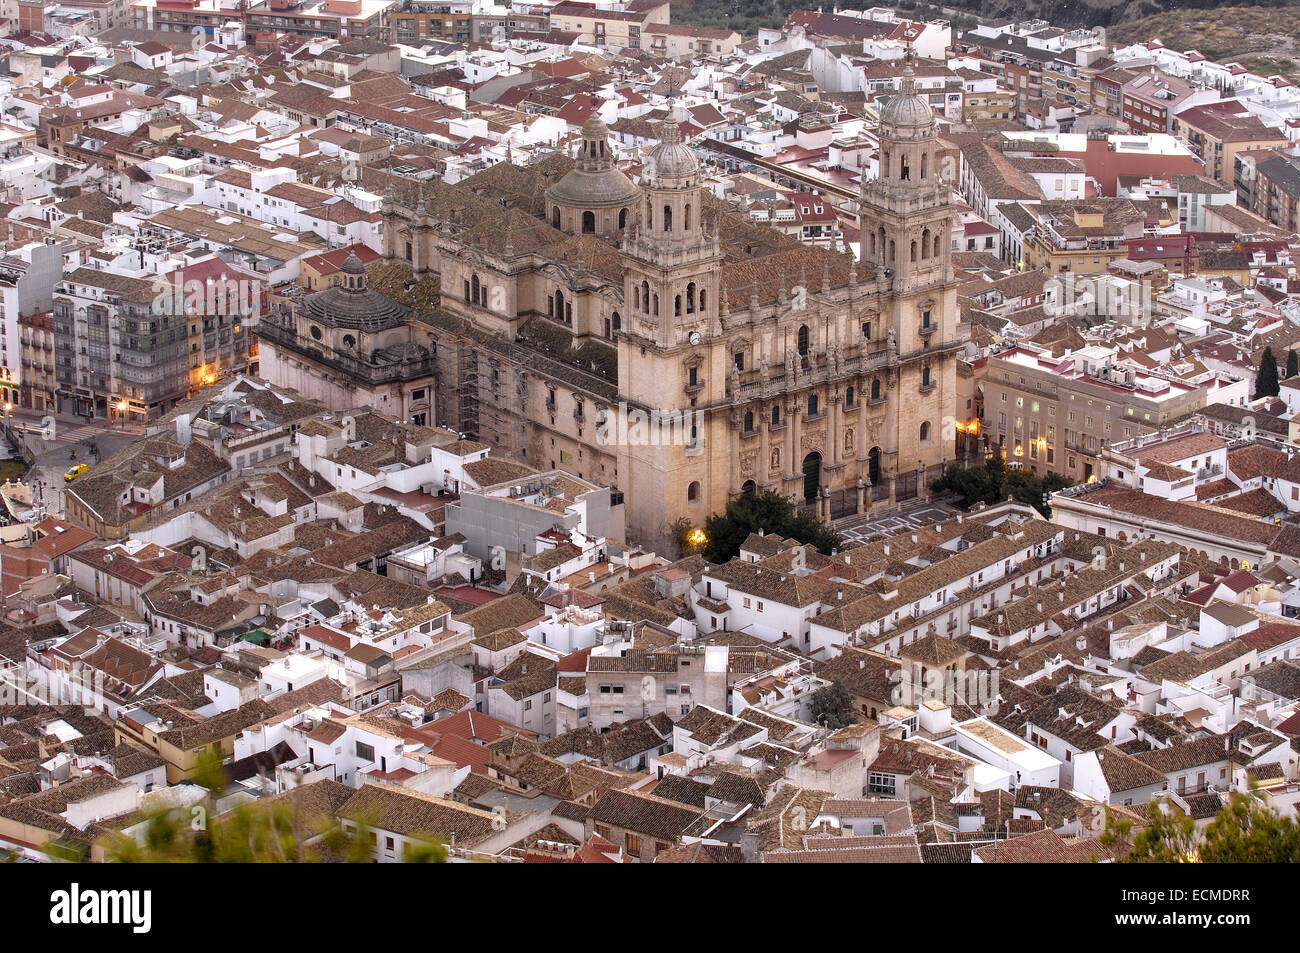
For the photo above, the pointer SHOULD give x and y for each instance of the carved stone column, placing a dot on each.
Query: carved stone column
(763, 476)
(792, 444)
(836, 436)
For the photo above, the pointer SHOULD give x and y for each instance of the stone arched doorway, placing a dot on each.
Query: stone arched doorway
(812, 476)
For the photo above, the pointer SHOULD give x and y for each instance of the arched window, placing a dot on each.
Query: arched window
(749, 421)
(925, 377)
(589, 222)
(475, 290)
(622, 218)
(677, 306)
(555, 217)
(875, 388)
(813, 406)
(649, 216)
(776, 415)
(693, 492)
(645, 297)
(749, 487)
(925, 164)
(618, 322)
(873, 244)
(893, 251)
(925, 431)
(702, 305)
(904, 170)
(914, 249)
(690, 297)
(668, 218)
(925, 243)
(848, 397)
(686, 218)
(803, 339)
(559, 304)
(937, 246)
(656, 306)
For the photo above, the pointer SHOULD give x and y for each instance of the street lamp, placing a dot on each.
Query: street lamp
(121, 413)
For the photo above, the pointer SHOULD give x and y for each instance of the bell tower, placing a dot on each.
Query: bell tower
(906, 215)
(672, 356)
(906, 210)
(672, 261)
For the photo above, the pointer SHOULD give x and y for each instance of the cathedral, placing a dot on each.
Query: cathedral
(576, 305)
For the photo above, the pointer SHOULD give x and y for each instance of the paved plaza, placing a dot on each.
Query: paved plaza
(871, 527)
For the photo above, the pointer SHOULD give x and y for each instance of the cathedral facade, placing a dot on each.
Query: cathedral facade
(644, 336)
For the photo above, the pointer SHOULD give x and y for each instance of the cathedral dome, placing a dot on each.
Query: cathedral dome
(594, 182)
(908, 111)
(353, 304)
(581, 189)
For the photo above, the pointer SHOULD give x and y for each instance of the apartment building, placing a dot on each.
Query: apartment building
(1218, 132)
(1277, 191)
(1082, 237)
(606, 27)
(449, 20)
(336, 19)
(1151, 100)
(1057, 414)
(27, 279)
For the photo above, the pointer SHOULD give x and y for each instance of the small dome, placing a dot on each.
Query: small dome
(672, 158)
(595, 128)
(353, 265)
(907, 110)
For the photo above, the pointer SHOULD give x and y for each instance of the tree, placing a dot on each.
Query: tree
(1266, 383)
(268, 831)
(1292, 364)
(1248, 832)
(1170, 838)
(257, 832)
(763, 512)
(990, 483)
(832, 707)
(1245, 831)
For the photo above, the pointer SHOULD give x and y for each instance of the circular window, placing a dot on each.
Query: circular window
(349, 341)
(315, 333)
